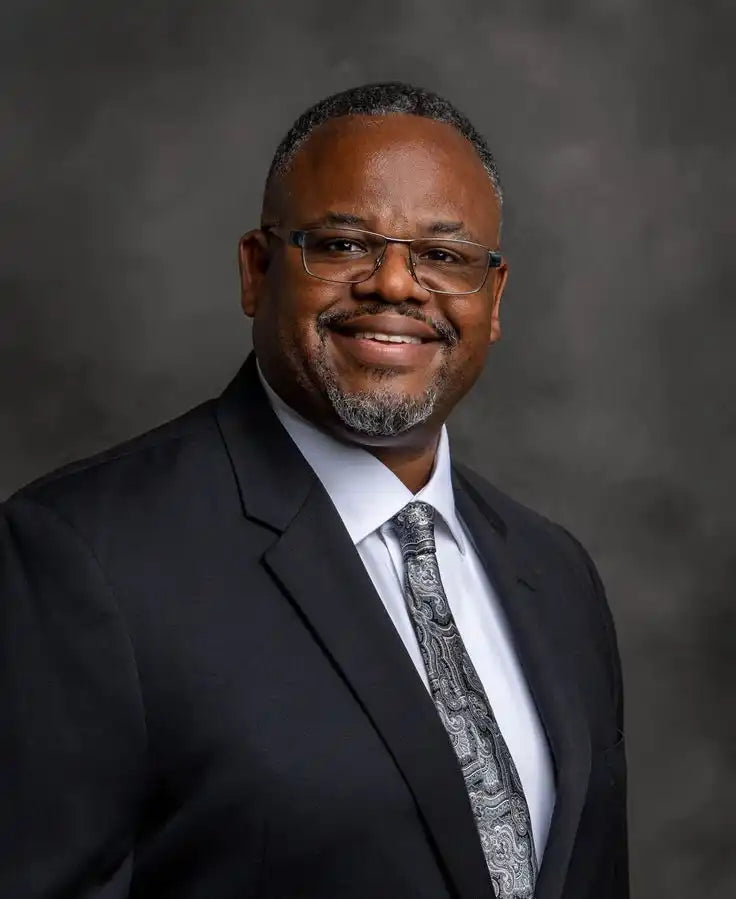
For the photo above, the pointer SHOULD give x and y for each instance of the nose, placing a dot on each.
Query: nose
(393, 281)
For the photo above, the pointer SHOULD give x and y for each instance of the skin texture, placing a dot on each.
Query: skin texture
(397, 175)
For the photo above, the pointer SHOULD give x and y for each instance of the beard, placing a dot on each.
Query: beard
(379, 412)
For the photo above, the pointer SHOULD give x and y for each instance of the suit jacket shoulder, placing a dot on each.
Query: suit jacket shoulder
(149, 471)
(538, 538)
(143, 447)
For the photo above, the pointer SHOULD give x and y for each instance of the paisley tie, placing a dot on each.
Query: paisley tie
(496, 794)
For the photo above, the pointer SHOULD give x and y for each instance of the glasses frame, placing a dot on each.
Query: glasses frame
(296, 237)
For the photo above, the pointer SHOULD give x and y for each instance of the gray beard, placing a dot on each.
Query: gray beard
(380, 413)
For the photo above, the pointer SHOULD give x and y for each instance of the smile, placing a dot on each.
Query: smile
(380, 350)
(387, 338)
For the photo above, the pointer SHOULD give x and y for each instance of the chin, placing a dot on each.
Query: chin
(413, 437)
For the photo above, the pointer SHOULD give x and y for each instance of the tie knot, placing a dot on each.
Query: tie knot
(415, 529)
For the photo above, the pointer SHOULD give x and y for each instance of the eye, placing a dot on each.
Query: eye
(341, 246)
(440, 256)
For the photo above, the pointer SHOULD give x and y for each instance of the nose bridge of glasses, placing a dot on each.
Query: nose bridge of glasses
(399, 248)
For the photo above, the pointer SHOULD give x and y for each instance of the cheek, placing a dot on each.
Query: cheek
(472, 318)
(295, 301)
(473, 325)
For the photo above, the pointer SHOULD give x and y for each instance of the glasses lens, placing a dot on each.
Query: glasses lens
(449, 266)
(341, 254)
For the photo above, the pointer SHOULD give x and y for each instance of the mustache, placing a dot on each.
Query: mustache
(332, 318)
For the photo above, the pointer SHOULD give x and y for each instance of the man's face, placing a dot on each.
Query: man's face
(400, 176)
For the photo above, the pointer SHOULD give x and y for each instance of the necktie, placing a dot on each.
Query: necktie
(496, 793)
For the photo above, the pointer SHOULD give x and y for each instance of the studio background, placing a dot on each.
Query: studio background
(135, 141)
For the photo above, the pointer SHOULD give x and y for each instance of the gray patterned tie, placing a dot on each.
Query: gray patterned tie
(493, 784)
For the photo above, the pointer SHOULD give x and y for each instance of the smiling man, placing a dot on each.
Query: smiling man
(284, 646)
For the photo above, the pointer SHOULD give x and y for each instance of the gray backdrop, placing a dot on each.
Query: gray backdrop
(135, 139)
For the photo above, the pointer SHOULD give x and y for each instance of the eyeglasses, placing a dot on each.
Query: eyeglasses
(350, 256)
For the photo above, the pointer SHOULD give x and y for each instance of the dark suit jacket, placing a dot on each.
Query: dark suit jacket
(202, 696)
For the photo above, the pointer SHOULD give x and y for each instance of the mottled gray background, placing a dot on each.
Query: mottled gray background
(135, 139)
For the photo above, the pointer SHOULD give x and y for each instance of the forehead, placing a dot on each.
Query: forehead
(395, 170)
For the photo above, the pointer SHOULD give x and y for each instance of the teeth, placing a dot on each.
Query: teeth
(388, 338)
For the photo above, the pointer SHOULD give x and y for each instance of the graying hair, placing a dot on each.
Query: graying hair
(381, 99)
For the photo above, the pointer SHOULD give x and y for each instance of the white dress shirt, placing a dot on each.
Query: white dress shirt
(367, 495)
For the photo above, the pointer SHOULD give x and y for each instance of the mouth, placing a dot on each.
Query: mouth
(387, 338)
(379, 349)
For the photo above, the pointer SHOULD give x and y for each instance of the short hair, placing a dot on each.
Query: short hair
(384, 98)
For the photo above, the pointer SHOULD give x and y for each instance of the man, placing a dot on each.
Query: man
(283, 646)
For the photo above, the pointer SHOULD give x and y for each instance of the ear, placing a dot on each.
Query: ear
(500, 276)
(253, 258)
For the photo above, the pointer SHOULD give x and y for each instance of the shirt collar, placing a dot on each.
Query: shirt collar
(364, 491)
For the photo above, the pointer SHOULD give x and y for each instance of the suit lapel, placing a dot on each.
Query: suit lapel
(316, 563)
(528, 607)
(317, 566)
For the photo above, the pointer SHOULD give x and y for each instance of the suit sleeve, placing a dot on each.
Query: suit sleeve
(619, 843)
(72, 728)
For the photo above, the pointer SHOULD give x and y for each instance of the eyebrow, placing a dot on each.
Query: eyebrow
(332, 219)
(456, 229)
(337, 220)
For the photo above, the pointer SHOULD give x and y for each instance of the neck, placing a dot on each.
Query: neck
(411, 465)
